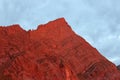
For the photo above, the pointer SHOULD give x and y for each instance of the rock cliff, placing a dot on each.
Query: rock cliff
(51, 52)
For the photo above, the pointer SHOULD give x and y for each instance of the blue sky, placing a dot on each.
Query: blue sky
(98, 21)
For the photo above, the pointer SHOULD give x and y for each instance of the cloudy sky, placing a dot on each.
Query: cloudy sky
(98, 21)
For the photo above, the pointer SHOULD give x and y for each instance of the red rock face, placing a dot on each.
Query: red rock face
(51, 52)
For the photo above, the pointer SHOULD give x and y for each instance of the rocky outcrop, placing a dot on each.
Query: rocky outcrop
(51, 52)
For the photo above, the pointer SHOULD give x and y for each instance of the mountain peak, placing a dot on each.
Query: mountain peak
(56, 29)
(14, 26)
(51, 52)
(12, 29)
(61, 22)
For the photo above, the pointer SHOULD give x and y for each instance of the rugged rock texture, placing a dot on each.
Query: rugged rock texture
(51, 52)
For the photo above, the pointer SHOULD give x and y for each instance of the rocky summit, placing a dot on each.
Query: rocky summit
(51, 52)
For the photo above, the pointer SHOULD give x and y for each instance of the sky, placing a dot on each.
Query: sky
(97, 21)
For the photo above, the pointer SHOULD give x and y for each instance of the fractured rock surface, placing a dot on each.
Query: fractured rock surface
(51, 52)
